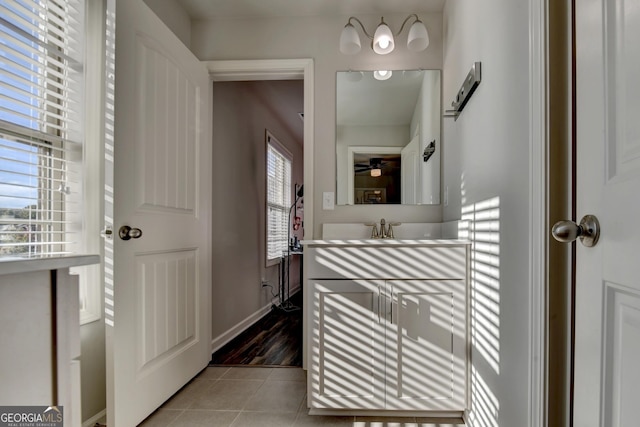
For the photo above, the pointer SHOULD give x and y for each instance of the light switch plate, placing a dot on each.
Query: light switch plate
(328, 200)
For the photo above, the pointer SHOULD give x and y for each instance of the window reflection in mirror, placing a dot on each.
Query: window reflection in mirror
(388, 123)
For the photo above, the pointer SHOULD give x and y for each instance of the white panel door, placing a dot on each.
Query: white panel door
(157, 285)
(607, 340)
(426, 351)
(348, 351)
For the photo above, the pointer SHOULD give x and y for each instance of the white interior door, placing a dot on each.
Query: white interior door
(157, 285)
(607, 340)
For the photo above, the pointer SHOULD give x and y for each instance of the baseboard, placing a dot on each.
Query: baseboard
(234, 331)
(96, 418)
(225, 337)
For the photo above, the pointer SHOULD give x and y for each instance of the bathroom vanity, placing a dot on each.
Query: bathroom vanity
(387, 326)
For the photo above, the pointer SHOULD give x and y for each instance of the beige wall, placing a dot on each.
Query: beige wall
(241, 113)
(317, 38)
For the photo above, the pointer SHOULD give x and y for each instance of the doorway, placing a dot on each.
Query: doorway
(249, 327)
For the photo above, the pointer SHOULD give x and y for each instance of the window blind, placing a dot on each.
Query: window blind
(41, 134)
(278, 198)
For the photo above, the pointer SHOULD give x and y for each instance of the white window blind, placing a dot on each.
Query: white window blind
(278, 198)
(41, 134)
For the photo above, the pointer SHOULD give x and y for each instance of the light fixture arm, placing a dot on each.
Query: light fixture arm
(364, 30)
(413, 15)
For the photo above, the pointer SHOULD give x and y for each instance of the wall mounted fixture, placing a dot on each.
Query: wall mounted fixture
(469, 86)
(429, 150)
(383, 39)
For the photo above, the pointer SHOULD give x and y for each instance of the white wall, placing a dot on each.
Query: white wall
(317, 38)
(241, 113)
(486, 158)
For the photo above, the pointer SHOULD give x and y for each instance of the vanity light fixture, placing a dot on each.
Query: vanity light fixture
(376, 172)
(382, 41)
(382, 74)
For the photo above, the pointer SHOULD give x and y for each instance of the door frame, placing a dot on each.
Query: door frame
(538, 227)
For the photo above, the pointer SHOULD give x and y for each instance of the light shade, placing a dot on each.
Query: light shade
(382, 74)
(376, 172)
(383, 42)
(349, 40)
(418, 38)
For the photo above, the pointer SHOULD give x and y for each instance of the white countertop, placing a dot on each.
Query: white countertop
(385, 242)
(25, 265)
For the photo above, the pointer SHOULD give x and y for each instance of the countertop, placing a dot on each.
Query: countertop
(385, 242)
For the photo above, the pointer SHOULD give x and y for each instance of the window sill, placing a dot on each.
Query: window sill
(26, 265)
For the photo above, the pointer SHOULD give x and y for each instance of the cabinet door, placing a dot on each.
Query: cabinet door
(426, 352)
(348, 351)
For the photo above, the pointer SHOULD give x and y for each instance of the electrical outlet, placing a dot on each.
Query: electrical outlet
(328, 200)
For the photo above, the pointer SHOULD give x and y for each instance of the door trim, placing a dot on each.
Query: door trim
(538, 226)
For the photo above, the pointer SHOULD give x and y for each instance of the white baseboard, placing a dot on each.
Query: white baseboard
(218, 342)
(236, 330)
(96, 418)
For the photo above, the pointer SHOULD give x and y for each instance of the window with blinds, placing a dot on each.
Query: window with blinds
(41, 134)
(278, 198)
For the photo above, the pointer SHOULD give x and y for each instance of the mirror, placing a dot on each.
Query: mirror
(388, 137)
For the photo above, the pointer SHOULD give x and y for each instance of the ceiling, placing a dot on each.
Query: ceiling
(210, 9)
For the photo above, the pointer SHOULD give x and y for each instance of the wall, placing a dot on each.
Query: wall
(174, 17)
(428, 120)
(486, 170)
(317, 37)
(241, 113)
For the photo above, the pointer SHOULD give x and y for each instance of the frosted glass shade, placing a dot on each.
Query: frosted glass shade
(383, 42)
(349, 40)
(418, 38)
(376, 172)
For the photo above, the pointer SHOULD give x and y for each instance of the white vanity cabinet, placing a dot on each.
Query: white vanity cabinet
(387, 326)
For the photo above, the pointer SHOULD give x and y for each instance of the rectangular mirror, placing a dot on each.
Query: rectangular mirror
(388, 137)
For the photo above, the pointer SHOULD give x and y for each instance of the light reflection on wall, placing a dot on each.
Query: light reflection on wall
(480, 224)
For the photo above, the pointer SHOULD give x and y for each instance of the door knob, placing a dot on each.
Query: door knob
(588, 231)
(127, 233)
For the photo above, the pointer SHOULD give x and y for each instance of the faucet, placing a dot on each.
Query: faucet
(386, 232)
(383, 231)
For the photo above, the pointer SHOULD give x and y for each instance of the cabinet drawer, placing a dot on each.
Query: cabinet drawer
(393, 262)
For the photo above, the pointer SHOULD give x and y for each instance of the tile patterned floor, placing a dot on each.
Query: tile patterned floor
(264, 397)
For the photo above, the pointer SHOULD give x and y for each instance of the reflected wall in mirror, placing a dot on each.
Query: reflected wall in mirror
(385, 129)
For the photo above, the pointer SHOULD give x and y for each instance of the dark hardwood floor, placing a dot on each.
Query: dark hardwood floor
(274, 340)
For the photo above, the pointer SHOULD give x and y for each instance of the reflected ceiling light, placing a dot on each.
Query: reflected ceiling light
(383, 40)
(376, 172)
(382, 74)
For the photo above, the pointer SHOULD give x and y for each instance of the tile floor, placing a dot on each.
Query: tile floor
(264, 397)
